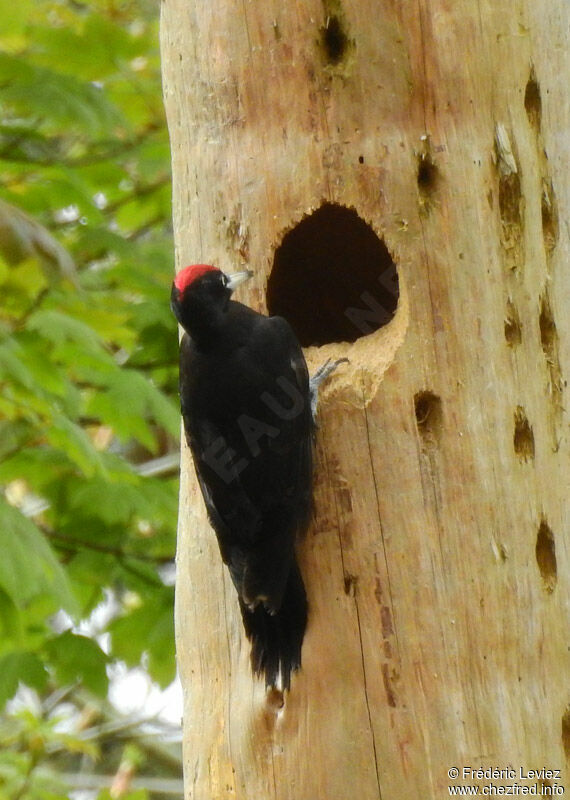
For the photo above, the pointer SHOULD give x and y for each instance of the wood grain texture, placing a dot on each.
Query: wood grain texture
(437, 564)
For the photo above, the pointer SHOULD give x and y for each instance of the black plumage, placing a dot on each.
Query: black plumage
(246, 406)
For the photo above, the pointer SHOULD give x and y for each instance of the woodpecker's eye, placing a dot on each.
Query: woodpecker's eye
(218, 284)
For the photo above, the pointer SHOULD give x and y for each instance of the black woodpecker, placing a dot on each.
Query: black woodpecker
(248, 405)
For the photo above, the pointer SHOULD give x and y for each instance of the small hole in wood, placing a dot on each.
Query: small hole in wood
(513, 332)
(548, 334)
(429, 415)
(361, 159)
(333, 278)
(549, 217)
(427, 407)
(533, 101)
(275, 700)
(334, 40)
(550, 348)
(510, 199)
(427, 175)
(566, 733)
(388, 687)
(523, 438)
(546, 556)
(350, 582)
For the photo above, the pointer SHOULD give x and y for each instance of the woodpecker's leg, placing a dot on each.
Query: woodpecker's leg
(319, 377)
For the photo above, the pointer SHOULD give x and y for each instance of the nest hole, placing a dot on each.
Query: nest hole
(333, 278)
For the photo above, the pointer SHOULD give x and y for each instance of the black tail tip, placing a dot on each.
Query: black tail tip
(275, 668)
(275, 645)
(277, 639)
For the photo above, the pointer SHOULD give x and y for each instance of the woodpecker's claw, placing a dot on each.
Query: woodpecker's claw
(319, 377)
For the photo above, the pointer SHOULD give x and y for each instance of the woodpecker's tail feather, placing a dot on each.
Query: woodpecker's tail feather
(276, 639)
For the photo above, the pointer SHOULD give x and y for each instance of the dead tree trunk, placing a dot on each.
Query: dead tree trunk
(331, 146)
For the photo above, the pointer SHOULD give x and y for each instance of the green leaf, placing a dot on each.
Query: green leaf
(148, 630)
(21, 286)
(13, 436)
(21, 141)
(145, 403)
(71, 439)
(14, 23)
(95, 241)
(11, 627)
(24, 238)
(50, 379)
(12, 366)
(39, 465)
(62, 98)
(20, 667)
(59, 328)
(28, 566)
(125, 426)
(112, 503)
(94, 52)
(78, 658)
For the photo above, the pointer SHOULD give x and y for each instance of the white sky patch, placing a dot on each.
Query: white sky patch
(67, 214)
(133, 693)
(100, 200)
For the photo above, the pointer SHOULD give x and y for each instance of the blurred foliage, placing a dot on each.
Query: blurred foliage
(67, 743)
(88, 353)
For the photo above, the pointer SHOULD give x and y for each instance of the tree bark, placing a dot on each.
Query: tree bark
(437, 561)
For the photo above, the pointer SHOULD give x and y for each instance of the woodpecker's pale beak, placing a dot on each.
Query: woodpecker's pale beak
(237, 278)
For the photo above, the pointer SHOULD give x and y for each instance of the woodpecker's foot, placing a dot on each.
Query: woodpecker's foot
(319, 377)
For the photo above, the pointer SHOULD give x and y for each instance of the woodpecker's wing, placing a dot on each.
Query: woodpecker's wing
(227, 505)
(248, 423)
(281, 445)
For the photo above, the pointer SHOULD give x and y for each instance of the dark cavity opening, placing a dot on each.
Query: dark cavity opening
(546, 556)
(429, 415)
(427, 176)
(333, 279)
(532, 101)
(334, 40)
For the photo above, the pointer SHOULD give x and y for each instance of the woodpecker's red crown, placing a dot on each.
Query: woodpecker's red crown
(188, 275)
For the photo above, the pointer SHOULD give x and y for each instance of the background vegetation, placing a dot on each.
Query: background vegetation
(88, 410)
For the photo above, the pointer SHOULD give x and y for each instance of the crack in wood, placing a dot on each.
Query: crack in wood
(366, 698)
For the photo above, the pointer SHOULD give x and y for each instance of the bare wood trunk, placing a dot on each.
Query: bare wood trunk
(437, 565)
